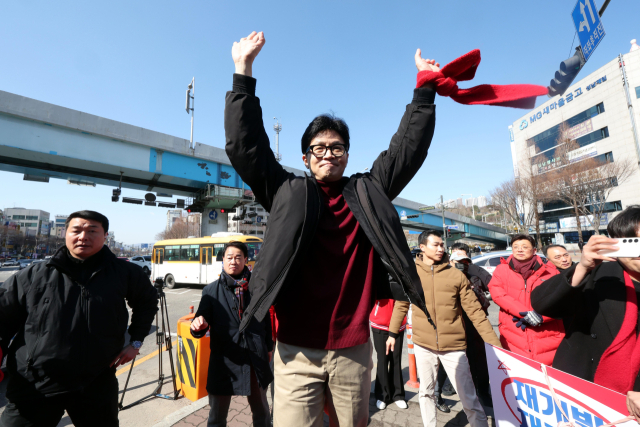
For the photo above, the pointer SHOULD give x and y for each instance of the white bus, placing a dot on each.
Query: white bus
(196, 261)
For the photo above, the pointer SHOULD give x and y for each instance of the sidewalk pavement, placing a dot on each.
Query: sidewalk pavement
(392, 416)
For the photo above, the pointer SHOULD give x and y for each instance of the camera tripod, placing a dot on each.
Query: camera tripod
(162, 335)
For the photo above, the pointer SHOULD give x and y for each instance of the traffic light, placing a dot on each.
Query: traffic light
(413, 216)
(447, 234)
(115, 195)
(223, 210)
(195, 208)
(569, 69)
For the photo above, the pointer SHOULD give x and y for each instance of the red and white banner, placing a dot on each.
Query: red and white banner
(522, 398)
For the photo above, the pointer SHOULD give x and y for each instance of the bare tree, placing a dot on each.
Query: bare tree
(182, 228)
(584, 184)
(508, 197)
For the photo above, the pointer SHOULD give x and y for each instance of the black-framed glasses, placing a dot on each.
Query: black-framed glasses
(338, 150)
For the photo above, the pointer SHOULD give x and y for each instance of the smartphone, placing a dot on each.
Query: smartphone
(628, 248)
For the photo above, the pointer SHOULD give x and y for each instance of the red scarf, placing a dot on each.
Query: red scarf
(620, 363)
(464, 68)
(524, 268)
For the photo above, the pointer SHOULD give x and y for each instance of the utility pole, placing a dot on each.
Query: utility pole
(277, 126)
(191, 100)
(444, 226)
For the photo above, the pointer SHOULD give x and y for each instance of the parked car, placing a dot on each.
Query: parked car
(11, 263)
(142, 261)
(24, 263)
(491, 260)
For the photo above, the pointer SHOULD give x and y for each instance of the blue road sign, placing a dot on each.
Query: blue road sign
(588, 25)
(258, 219)
(452, 227)
(213, 214)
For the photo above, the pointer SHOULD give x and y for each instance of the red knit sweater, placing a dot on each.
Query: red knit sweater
(330, 305)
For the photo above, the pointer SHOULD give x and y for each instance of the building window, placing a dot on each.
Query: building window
(604, 158)
(548, 139)
(31, 217)
(584, 140)
(18, 217)
(638, 92)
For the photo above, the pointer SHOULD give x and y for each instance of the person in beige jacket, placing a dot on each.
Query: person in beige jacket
(447, 292)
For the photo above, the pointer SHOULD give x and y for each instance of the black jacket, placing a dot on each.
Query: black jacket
(68, 332)
(479, 279)
(233, 353)
(295, 202)
(593, 313)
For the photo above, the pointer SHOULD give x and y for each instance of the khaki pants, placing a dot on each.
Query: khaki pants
(309, 378)
(456, 365)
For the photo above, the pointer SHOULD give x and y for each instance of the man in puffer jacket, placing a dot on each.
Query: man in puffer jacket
(447, 294)
(522, 330)
(389, 385)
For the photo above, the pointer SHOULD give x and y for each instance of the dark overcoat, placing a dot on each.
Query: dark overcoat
(233, 353)
(593, 313)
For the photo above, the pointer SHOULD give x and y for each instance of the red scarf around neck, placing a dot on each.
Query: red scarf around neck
(524, 268)
(620, 363)
(464, 68)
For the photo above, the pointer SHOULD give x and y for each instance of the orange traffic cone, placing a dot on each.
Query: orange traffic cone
(413, 373)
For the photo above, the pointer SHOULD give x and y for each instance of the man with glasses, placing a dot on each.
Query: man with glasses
(331, 243)
(559, 256)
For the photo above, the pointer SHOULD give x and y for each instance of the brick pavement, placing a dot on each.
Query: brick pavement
(392, 416)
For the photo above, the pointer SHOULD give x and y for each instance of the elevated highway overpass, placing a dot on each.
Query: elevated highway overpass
(42, 141)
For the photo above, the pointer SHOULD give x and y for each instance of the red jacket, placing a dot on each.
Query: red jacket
(511, 293)
(380, 316)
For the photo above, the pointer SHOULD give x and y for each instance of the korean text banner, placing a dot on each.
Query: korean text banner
(521, 396)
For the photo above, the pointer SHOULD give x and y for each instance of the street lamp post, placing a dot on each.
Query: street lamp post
(191, 100)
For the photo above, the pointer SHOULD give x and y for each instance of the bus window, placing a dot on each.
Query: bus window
(190, 253)
(173, 253)
(217, 248)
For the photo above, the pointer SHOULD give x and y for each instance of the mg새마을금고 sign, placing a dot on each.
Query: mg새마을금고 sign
(522, 398)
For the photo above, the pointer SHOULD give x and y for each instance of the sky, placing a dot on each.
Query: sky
(131, 62)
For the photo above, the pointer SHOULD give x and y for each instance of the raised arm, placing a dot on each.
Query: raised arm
(247, 143)
(396, 166)
(558, 296)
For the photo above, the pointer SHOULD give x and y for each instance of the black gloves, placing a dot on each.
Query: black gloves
(529, 318)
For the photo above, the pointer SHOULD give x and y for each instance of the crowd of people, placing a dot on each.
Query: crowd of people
(334, 275)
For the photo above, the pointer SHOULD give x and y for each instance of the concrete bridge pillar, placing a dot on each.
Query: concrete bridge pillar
(213, 222)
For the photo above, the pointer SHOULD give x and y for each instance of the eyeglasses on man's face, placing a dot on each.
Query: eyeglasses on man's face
(338, 150)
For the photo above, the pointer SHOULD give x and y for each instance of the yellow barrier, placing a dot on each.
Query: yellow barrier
(192, 361)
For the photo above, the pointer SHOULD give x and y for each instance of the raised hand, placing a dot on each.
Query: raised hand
(426, 64)
(590, 252)
(245, 51)
(591, 257)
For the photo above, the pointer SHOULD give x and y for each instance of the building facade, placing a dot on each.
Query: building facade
(32, 222)
(172, 216)
(60, 229)
(598, 118)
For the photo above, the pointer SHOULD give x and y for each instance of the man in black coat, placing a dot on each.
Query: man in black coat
(593, 298)
(331, 243)
(66, 320)
(239, 361)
